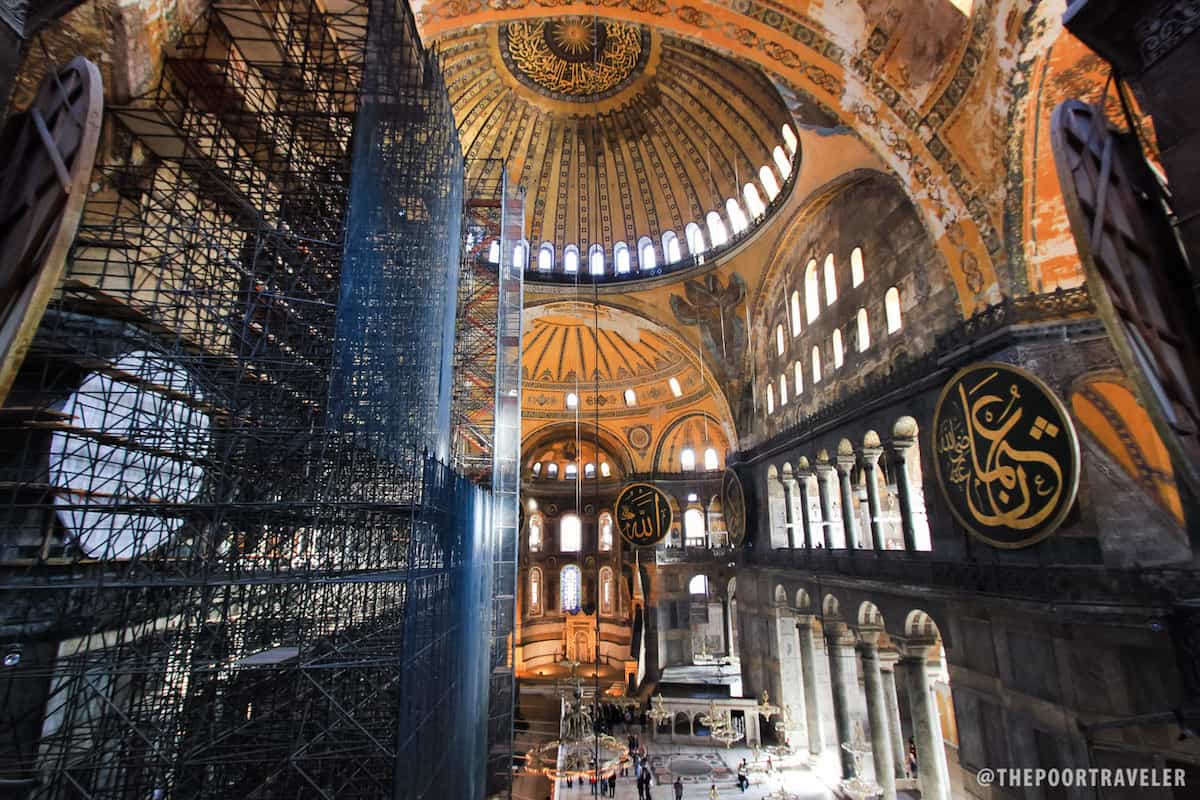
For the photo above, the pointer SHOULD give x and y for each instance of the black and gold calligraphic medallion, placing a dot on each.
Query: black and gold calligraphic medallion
(643, 514)
(733, 507)
(1006, 454)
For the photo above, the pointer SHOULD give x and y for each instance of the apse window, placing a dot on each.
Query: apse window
(676, 389)
(630, 398)
(596, 260)
(795, 313)
(695, 239)
(830, 281)
(606, 591)
(754, 203)
(816, 364)
(571, 259)
(570, 534)
(767, 177)
(858, 272)
(646, 257)
(770, 398)
(779, 342)
(812, 291)
(572, 400)
(891, 310)
(569, 588)
(737, 218)
(838, 356)
(621, 258)
(716, 229)
(605, 470)
(687, 459)
(671, 250)
(546, 257)
(535, 591)
(798, 377)
(693, 528)
(864, 331)
(606, 532)
(783, 395)
(535, 533)
(710, 459)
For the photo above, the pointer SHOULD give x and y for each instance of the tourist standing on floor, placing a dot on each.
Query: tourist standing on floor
(713, 794)
(679, 789)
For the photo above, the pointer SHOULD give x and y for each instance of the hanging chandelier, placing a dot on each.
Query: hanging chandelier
(659, 713)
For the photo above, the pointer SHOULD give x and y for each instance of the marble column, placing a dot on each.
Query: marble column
(840, 644)
(802, 487)
(808, 672)
(927, 727)
(870, 463)
(887, 668)
(789, 517)
(877, 714)
(900, 448)
(845, 466)
(824, 473)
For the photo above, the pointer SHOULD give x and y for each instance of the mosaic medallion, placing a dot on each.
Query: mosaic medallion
(574, 58)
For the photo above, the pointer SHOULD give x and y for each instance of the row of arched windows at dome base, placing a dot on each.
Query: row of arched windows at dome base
(570, 591)
(715, 232)
(869, 497)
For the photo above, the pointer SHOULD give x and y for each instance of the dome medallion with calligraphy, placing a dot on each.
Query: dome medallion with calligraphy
(575, 58)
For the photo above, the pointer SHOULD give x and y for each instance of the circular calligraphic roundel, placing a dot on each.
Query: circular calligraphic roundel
(733, 507)
(643, 513)
(1006, 454)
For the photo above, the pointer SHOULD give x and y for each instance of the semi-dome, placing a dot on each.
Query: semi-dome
(637, 150)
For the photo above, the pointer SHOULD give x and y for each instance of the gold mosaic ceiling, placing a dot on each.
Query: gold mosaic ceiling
(614, 131)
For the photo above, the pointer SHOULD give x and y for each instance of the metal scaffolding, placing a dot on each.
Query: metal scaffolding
(231, 561)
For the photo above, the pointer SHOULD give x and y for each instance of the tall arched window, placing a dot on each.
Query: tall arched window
(783, 395)
(698, 585)
(858, 272)
(647, 260)
(571, 259)
(695, 239)
(838, 356)
(596, 260)
(693, 527)
(789, 138)
(770, 397)
(607, 591)
(605, 470)
(572, 400)
(779, 341)
(630, 398)
(687, 459)
(521, 255)
(537, 469)
(670, 243)
(716, 229)
(570, 534)
(830, 281)
(711, 461)
(737, 218)
(494, 252)
(621, 258)
(589, 470)
(676, 389)
(767, 177)
(552, 470)
(535, 533)
(606, 532)
(864, 331)
(568, 588)
(572, 472)
(781, 161)
(816, 364)
(812, 291)
(796, 313)
(754, 203)
(545, 257)
(891, 309)
(535, 592)
(798, 377)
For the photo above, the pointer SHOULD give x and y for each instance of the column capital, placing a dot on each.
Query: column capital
(888, 659)
(869, 456)
(868, 637)
(914, 648)
(838, 634)
(823, 469)
(900, 447)
(845, 463)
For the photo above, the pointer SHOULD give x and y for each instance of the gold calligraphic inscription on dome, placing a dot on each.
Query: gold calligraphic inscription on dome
(574, 58)
(643, 514)
(1006, 454)
(733, 507)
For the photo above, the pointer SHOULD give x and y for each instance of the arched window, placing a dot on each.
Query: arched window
(796, 313)
(711, 461)
(789, 138)
(767, 178)
(596, 260)
(670, 244)
(535, 533)
(693, 527)
(571, 259)
(864, 331)
(695, 239)
(621, 258)
(779, 340)
(781, 161)
(816, 364)
(521, 255)
(838, 357)
(891, 309)
(570, 534)
(858, 273)
(572, 400)
(535, 592)
(676, 389)
(698, 585)
(607, 590)
(545, 261)
(572, 472)
(552, 470)
(606, 532)
(783, 395)
(798, 377)
(630, 398)
(754, 203)
(568, 588)
(737, 218)
(537, 469)
(687, 459)
(770, 398)
(646, 257)
(830, 281)
(716, 229)
(605, 470)
(812, 291)
(589, 470)
(494, 252)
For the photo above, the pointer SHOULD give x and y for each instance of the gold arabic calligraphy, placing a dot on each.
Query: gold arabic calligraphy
(640, 514)
(1004, 485)
(532, 55)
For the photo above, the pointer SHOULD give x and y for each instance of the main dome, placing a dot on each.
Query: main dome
(619, 135)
